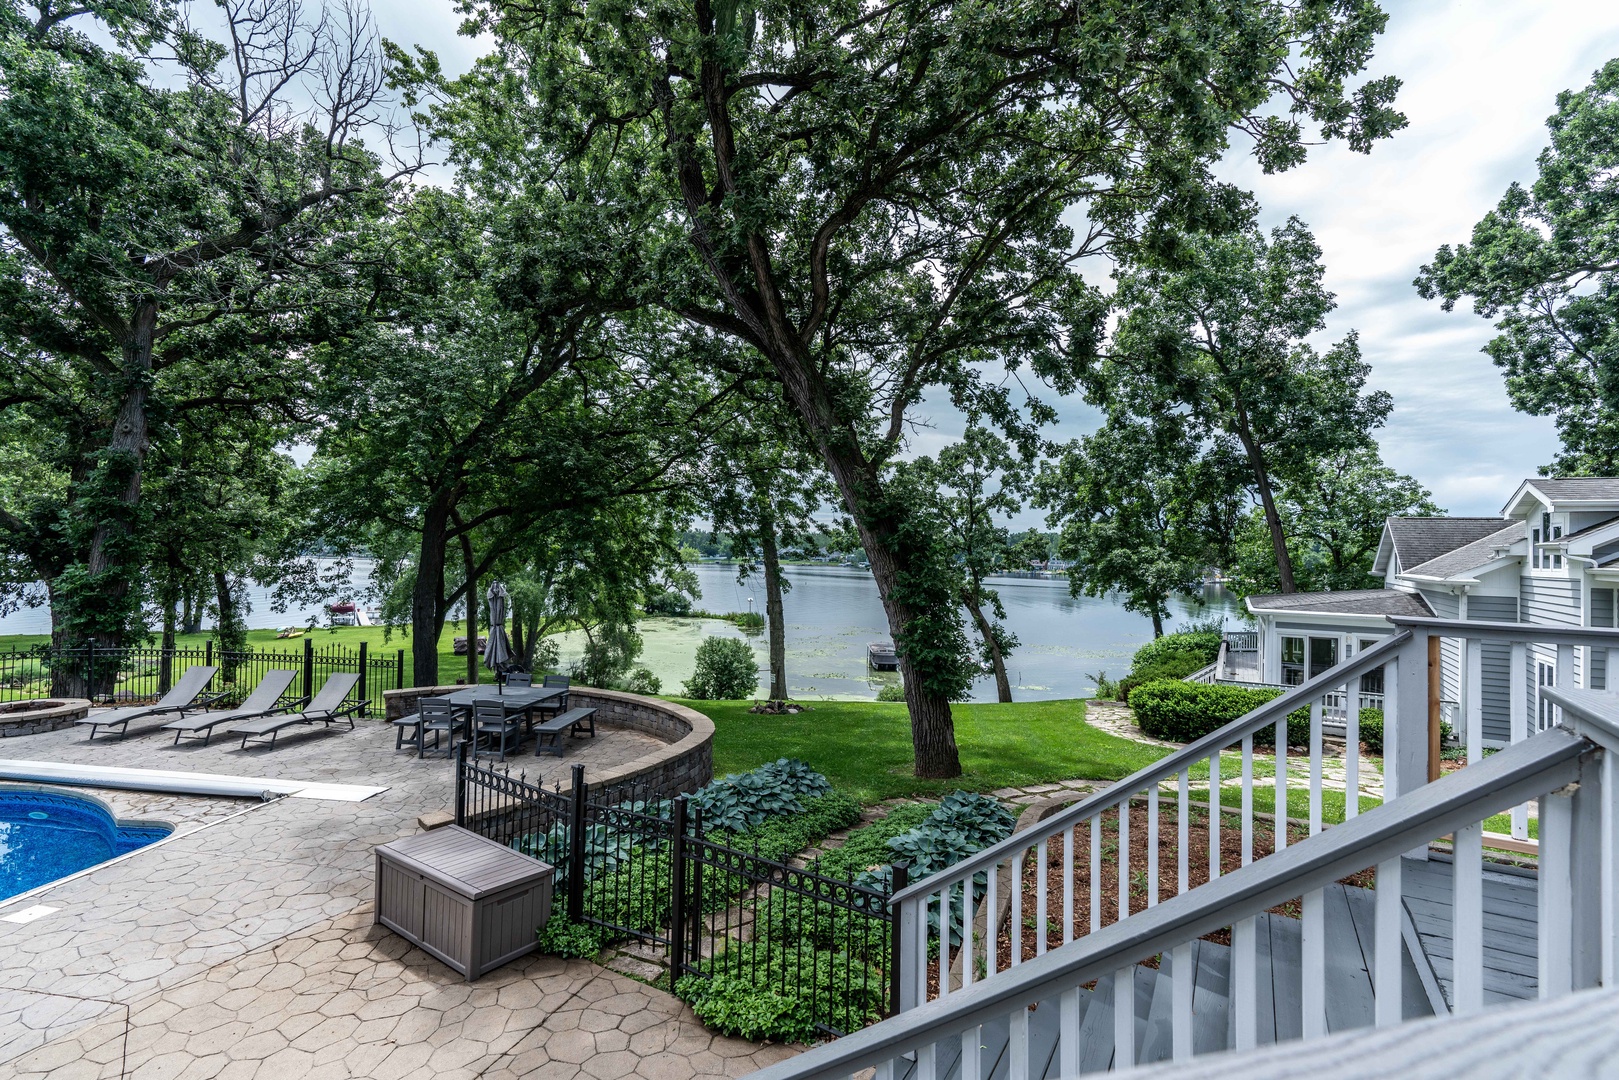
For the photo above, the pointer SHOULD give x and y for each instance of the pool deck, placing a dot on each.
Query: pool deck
(243, 946)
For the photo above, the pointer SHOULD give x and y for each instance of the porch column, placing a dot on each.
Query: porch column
(1405, 718)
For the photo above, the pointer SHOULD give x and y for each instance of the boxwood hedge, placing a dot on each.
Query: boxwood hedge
(1183, 712)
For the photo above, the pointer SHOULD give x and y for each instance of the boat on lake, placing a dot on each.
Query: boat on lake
(881, 656)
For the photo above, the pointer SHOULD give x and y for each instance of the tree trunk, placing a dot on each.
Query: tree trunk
(113, 564)
(1157, 624)
(777, 623)
(997, 662)
(471, 571)
(229, 628)
(1267, 499)
(190, 617)
(426, 598)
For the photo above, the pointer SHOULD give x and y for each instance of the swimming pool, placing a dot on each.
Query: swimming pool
(45, 836)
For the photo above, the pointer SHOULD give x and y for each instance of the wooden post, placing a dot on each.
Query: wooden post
(1435, 711)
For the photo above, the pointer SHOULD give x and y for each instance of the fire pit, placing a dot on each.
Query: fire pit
(37, 716)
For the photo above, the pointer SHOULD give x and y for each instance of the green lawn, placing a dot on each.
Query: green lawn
(379, 641)
(864, 747)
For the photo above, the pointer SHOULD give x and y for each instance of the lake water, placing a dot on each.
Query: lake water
(832, 613)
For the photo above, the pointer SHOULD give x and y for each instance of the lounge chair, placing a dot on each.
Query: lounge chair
(178, 699)
(328, 707)
(265, 699)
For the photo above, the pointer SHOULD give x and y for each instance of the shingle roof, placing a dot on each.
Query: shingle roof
(1347, 602)
(1576, 487)
(1603, 524)
(1418, 540)
(1470, 557)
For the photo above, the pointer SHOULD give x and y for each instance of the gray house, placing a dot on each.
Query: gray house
(1551, 559)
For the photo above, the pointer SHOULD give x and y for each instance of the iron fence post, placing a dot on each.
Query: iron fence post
(901, 991)
(208, 653)
(696, 886)
(677, 885)
(309, 667)
(399, 671)
(365, 669)
(460, 784)
(90, 661)
(576, 847)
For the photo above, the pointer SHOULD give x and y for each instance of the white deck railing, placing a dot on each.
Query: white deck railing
(949, 989)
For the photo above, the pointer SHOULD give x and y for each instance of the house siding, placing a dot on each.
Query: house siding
(1602, 614)
(1447, 606)
(1496, 665)
(1549, 602)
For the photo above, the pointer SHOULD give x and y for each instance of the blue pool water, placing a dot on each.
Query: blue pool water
(45, 836)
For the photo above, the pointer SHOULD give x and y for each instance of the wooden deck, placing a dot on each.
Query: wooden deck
(1511, 926)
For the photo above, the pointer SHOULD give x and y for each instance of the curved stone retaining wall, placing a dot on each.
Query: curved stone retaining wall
(684, 763)
(37, 717)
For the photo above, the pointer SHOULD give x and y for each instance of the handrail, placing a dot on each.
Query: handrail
(1528, 769)
(1166, 767)
(1497, 631)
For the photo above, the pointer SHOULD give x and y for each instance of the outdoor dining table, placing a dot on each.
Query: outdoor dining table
(517, 699)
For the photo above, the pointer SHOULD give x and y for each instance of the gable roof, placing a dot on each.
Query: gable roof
(1606, 523)
(1417, 540)
(1470, 557)
(1346, 602)
(1565, 489)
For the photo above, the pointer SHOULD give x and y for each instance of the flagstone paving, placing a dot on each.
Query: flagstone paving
(243, 945)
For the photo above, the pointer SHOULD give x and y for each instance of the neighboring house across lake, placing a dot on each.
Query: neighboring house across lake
(1550, 559)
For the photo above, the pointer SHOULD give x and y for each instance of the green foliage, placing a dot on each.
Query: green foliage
(960, 824)
(765, 992)
(733, 1005)
(668, 602)
(726, 670)
(866, 848)
(781, 837)
(748, 620)
(892, 692)
(1199, 647)
(1544, 264)
(1371, 731)
(738, 802)
(559, 937)
(794, 921)
(1183, 712)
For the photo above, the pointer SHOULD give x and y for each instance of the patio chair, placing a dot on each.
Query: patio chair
(433, 715)
(264, 699)
(559, 704)
(178, 699)
(328, 707)
(489, 720)
(519, 678)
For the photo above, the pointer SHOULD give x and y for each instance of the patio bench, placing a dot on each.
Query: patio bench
(548, 736)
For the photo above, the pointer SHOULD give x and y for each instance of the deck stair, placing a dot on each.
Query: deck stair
(1350, 1002)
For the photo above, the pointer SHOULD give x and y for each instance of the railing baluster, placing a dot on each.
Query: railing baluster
(1016, 929)
(1017, 1045)
(1068, 1033)
(992, 924)
(1279, 830)
(1183, 976)
(1473, 712)
(1518, 729)
(967, 932)
(1316, 718)
(1245, 982)
(1096, 872)
(1388, 945)
(1040, 907)
(1067, 885)
(1313, 957)
(1214, 814)
(1468, 905)
(927, 1058)
(1556, 888)
(1184, 824)
(1124, 859)
(1352, 750)
(944, 941)
(920, 949)
(1247, 799)
(1124, 1018)
(1152, 845)
(972, 1066)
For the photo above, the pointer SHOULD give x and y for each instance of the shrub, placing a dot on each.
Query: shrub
(559, 937)
(726, 670)
(961, 824)
(867, 847)
(1201, 644)
(642, 681)
(766, 992)
(1371, 731)
(738, 802)
(734, 1006)
(891, 692)
(670, 602)
(748, 620)
(1184, 712)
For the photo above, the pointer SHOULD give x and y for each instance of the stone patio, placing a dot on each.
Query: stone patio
(243, 945)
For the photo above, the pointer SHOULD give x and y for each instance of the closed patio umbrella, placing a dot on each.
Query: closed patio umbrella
(497, 655)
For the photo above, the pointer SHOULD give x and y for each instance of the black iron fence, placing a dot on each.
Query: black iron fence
(119, 676)
(639, 867)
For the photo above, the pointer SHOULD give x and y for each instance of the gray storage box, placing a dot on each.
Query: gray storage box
(469, 901)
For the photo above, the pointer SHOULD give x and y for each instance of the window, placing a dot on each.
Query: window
(1292, 661)
(1545, 711)
(1557, 556)
(1534, 548)
(1371, 683)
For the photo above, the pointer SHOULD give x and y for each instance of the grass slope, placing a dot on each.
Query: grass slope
(864, 747)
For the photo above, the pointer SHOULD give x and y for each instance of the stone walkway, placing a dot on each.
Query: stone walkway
(243, 945)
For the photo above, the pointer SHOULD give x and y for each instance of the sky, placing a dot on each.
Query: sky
(1480, 77)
